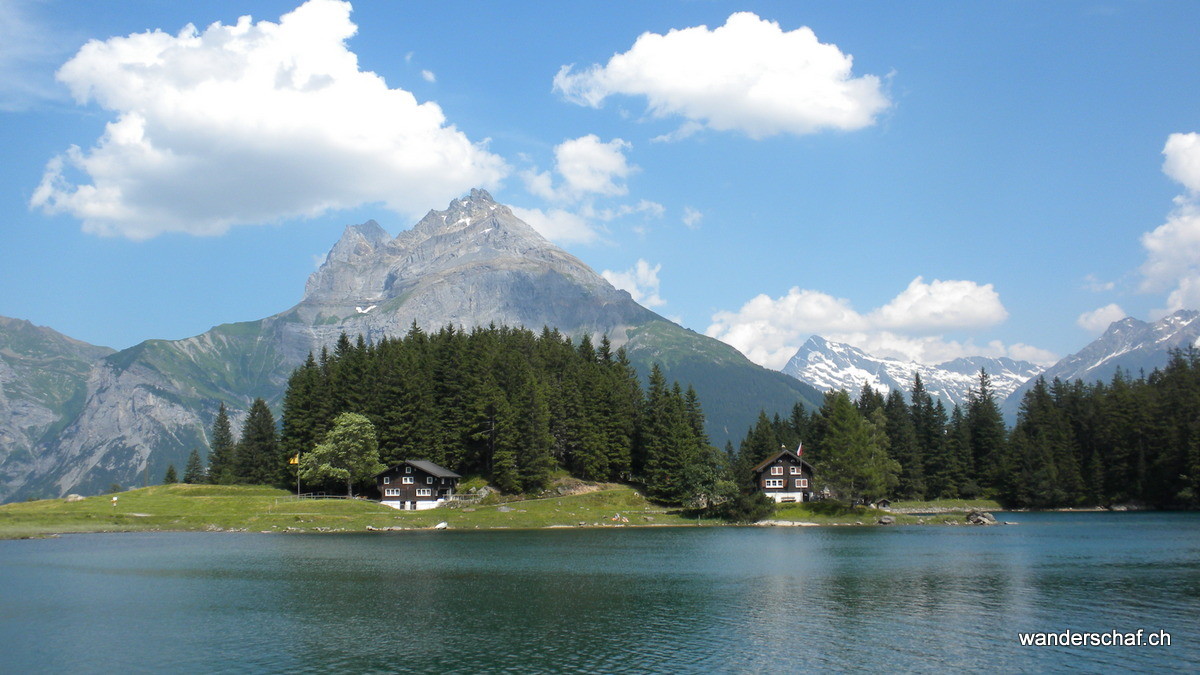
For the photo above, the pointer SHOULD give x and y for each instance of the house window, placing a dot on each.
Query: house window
(387, 480)
(407, 480)
(391, 492)
(795, 471)
(429, 480)
(777, 471)
(801, 482)
(408, 469)
(774, 483)
(424, 492)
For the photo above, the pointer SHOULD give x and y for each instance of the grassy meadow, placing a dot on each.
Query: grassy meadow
(184, 507)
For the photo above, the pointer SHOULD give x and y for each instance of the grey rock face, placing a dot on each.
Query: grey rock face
(829, 366)
(43, 376)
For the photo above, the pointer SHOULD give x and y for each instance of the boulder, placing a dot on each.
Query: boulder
(74, 498)
(887, 520)
(981, 518)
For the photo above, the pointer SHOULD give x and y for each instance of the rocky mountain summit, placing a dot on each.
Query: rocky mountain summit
(829, 366)
(473, 264)
(1130, 345)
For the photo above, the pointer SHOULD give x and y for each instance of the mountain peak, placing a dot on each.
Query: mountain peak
(829, 366)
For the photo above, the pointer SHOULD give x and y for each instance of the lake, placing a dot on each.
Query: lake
(677, 600)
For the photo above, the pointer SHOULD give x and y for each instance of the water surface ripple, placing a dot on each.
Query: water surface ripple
(679, 600)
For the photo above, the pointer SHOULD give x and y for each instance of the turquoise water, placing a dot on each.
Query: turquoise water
(655, 599)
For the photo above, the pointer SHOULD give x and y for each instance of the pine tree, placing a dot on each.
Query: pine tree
(170, 477)
(902, 437)
(985, 425)
(257, 456)
(221, 450)
(193, 473)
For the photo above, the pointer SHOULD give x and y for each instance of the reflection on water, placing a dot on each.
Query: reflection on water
(658, 599)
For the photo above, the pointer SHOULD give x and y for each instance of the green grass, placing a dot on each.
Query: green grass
(264, 509)
(838, 513)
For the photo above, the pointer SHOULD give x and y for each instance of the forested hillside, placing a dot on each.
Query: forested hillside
(1074, 444)
(509, 405)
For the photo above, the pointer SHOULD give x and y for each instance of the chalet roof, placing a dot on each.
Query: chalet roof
(426, 466)
(773, 458)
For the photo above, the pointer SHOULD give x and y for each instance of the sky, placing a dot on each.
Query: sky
(922, 180)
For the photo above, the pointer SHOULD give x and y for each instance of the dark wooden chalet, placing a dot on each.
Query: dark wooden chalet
(785, 477)
(416, 485)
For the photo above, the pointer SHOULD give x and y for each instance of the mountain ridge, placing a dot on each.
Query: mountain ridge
(472, 264)
(1130, 345)
(829, 366)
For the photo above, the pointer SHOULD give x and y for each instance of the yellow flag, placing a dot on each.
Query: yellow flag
(294, 459)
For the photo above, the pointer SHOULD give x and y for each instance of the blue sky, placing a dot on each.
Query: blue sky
(924, 180)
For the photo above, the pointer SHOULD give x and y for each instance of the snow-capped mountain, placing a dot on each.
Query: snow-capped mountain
(829, 366)
(1130, 345)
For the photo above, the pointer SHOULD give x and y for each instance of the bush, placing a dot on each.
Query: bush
(745, 508)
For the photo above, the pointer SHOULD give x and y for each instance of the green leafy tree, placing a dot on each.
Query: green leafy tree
(349, 453)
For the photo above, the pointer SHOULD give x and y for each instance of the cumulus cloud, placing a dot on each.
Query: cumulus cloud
(558, 225)
(941, 305)
(770, 330)
(641, 281)
(749, 75)
(1098, 320)
(692, 218)
(1173, 249)
(586, 167)
(1182, 162)
(250, 123)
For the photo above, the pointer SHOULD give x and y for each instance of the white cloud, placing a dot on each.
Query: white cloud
(1182, 162)
(29, 52)
(251, 123)
(1098, 320)
(428, 76)
(1093, 283)
(641, 281)
(586, 167)
(558, 225)
(770, 330)
(1173, 249)
(692, 217)
(644, 207)
(748, 75)
(941, 305)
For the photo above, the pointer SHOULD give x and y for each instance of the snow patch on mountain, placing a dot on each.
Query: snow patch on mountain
(830, 366)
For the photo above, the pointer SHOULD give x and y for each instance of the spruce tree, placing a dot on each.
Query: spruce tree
(985, 425)
(902, 436)
(257, 456)
(193, 473)
(170, 476)
(221, 470)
